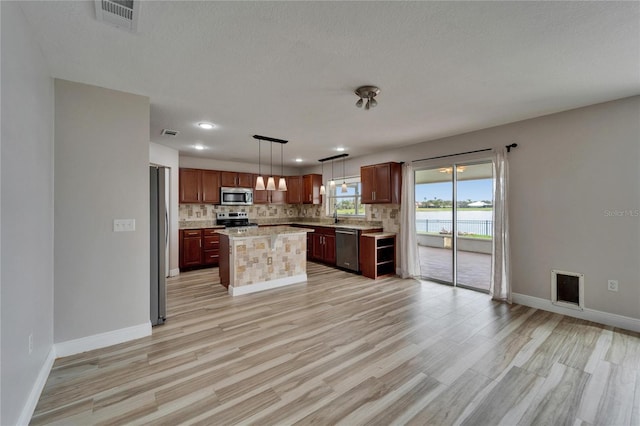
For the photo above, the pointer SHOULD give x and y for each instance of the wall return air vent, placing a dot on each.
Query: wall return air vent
(120, 13)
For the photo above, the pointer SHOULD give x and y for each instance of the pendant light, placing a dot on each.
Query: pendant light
(344, 182)
(332, 184)
(259, 179)
(322, 190)
(282, 184)
(271, 183)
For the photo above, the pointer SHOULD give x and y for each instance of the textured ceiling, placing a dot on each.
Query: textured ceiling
(288, 69)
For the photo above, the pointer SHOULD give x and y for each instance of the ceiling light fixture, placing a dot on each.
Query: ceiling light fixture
(199, 147)
(206, 126)
(259, 179)
(299, 160)
(369, 93)
(344, 179)
(282, 183)
(332, 183)
(340, 149)
(271, 184)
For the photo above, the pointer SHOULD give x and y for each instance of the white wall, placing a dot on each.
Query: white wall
(102, 174)
(161, 155)
(211, 164)
(27, 213)
(569, 169)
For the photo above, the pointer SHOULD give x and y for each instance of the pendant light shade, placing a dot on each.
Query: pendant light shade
(344, 179)
(282, 183)
(271, 184)
(322, 190)
(259, 179)
(332, 184)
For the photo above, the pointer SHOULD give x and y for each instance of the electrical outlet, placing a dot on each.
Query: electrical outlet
(612, 285)
(30, 343)
(269, 260)
(124, 225)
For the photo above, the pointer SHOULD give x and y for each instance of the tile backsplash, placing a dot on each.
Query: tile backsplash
(386, 215)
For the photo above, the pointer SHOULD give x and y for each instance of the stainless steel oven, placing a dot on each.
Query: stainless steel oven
(236, 196)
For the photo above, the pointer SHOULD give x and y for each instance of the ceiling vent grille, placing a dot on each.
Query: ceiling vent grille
(120, 13)
(169, 132)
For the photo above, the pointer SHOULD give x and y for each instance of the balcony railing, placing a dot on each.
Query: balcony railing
(464, 226)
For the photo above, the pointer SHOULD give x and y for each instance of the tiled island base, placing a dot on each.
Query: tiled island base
(262, 258)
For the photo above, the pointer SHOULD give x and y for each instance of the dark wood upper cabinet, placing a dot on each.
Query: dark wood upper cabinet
(294, 189)
(311, 189)
(210, 186)
(190, 186)
(237, 180)
(381, 183)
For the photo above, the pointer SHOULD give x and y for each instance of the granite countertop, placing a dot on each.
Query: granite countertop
(197, 224)
(379, 235)
(268, 231)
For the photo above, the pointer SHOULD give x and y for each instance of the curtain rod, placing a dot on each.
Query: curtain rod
(513, 145)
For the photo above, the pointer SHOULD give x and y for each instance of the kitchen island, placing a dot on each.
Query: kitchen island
(256, 259)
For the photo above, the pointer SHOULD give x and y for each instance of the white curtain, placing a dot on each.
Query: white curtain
(409, 262)
(501, 268)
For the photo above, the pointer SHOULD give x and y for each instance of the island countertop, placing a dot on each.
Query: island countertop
(268, 231)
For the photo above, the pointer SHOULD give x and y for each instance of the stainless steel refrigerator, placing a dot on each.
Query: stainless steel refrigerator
(159, 247)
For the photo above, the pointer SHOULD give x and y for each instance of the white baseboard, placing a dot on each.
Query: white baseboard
(600, 317)
(174, 272)
(36, 390)
(266, 285)
(97, 341)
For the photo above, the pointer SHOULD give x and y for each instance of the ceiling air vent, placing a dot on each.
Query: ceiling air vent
(169, 132)
(121, 13)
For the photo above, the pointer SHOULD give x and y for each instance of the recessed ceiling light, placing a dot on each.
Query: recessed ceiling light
(199, 147)
(298, 160)
(206, 126)
(339, 149)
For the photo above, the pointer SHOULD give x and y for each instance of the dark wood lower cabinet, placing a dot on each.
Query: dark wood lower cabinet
(378, 255)
(199, 247)
(321, 245)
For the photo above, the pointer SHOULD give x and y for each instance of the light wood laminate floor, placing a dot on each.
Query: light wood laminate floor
(343, 349)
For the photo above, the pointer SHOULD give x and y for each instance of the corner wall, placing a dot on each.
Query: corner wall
(27, 218)
(102, 174)
(161, 155)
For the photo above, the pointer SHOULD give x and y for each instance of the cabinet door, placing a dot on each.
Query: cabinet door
(210, 186)
(382, 179)
(367, 181)
(190, 186)
(317, 246)
(294, 190)
(192, 251)
(246, 180)
(330, 249)
(311, 185)
(228, 179)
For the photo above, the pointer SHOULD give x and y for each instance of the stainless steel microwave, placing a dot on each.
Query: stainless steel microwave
(236, 196)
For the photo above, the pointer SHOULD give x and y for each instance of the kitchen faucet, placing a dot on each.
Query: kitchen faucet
(335, 213)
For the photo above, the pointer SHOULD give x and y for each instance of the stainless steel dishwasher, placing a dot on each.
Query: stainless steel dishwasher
(347, 249)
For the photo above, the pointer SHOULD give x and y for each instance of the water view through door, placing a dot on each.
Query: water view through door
(454, 209)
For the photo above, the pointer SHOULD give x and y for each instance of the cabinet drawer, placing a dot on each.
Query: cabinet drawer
(212, 242)
(192, 232)
(210, 232)
(211, 256)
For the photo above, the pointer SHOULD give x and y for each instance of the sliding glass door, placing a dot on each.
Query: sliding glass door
(454, 223)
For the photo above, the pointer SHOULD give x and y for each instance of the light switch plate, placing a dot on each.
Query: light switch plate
(124, 225)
